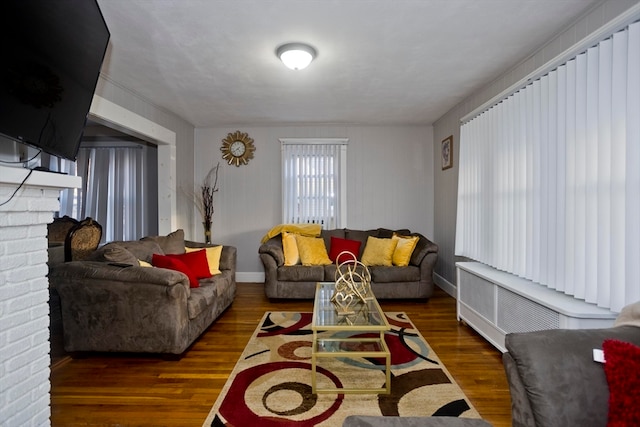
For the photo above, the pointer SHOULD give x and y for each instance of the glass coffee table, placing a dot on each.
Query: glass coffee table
(341, 342)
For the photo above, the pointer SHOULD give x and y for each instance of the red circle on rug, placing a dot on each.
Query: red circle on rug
(236, 412)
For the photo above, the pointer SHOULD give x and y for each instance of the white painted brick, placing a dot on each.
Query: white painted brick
(41, 365)
(40, 314)
(20, 409)
(13, 377)
(40, 337)
(27, 273)
(41, 418)
(12, 320)
(24, 312)
(13, 261)
(13, 233)
(13, 290)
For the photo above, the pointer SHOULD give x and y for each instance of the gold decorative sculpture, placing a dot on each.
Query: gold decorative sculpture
(353, 284)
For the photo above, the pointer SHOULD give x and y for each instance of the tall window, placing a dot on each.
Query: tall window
(314, 181)
(549, 185)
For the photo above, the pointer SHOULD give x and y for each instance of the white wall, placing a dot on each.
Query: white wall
(390, 183)
(446, 182)
(183, 150)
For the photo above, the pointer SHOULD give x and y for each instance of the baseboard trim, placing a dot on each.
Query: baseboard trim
(445, 285)
(249, 277)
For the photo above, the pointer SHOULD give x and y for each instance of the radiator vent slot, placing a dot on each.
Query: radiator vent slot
(519, 314)
(478, 294)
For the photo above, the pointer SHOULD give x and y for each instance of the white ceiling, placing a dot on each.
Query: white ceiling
(213, 62)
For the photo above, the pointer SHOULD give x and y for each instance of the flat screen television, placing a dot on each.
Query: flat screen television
(51, 53)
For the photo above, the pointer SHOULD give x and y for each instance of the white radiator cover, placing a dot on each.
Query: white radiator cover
(495, 303)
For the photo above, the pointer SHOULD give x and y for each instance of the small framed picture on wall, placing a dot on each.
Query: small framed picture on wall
(447, 153)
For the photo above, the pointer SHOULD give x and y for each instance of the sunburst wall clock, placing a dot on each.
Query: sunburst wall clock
(237, 148)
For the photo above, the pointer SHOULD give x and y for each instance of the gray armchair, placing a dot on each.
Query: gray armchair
(553, 379)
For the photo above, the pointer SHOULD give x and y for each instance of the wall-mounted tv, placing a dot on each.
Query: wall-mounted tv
(51, 53)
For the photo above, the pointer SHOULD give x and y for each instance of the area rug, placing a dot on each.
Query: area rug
(271, 383)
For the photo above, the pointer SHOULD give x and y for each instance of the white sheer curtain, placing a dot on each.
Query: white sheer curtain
(113, 180)
(549, 184)
(313, 183)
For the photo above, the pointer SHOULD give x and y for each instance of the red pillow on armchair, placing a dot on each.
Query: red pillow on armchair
(622, 368)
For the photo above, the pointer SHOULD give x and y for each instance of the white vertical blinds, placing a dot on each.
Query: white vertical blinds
(313, 184)
(549, 184)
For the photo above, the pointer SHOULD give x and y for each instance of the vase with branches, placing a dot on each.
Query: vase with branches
(204, 200)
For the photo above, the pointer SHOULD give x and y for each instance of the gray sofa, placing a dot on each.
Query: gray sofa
(110, 308)
(299, 281)
(553, 379)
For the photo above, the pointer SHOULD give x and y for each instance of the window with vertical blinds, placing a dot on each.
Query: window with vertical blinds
(314, 181)
(549, 184)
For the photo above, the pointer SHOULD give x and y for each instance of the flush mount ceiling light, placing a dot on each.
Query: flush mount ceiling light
(296, 56)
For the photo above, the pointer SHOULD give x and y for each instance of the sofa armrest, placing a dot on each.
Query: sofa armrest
(274, 251)
(563, 385)
(110, 308)
(422, 249)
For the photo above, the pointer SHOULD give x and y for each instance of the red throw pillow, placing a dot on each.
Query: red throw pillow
(341, 245)
(622, 368)
(196, 261)
(164, 261)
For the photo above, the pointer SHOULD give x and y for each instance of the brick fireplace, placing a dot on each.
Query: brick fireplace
(24, 311)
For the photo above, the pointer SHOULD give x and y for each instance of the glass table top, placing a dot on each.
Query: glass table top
(366, 315)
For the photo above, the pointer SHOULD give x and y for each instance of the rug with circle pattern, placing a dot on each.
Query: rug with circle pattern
(271, 383)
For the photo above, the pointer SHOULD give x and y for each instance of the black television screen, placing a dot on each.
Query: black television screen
(51, 52)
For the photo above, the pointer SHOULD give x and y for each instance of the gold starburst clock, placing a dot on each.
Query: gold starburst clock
(237, 148)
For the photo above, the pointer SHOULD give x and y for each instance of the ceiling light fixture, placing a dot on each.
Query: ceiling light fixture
(296, 56)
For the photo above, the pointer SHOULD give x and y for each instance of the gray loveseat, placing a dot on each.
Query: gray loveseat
(299, 281)
(553, 379)
(111, 308)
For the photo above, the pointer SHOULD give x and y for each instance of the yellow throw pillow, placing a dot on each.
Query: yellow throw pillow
(144, 263)
(379, 251)
(312, 250)
(404, 249)
(290, 249)
(213, 257)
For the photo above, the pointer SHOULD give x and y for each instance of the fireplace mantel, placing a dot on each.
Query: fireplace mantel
(24, 335)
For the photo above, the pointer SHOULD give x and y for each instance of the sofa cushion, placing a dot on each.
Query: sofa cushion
(622, 368)
(213, 254)
(312, 250)
(404, 249)
(301, 273)
(328, 234)
(163, 261)
(385, 233)
(113, 252)
(382, 274)
(378, 251)
(196, 261)
(290, 249)
(361, 236)
(339, 245)
(201, 298)
(173, 243)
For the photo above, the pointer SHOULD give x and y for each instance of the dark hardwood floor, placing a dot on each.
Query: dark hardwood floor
(146, 390)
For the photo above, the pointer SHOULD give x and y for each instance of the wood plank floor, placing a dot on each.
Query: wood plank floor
(133, 390)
